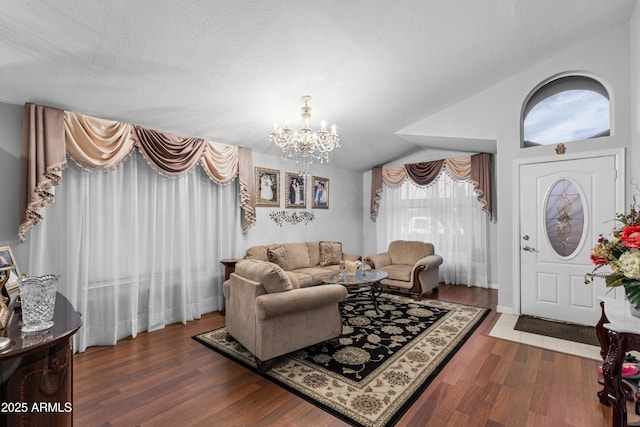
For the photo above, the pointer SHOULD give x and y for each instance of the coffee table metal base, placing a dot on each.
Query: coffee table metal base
(375, 290)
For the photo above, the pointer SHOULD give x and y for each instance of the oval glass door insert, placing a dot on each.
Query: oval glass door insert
(564, 217)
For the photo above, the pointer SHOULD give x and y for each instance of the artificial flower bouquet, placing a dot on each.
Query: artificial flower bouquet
(622, 253)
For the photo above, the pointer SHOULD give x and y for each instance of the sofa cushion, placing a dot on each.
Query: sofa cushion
(317, 273)
(330, 253)
(295, 283)
(273, 278)
(398, 272)
(409, 252)
(304, 280)
(314, 253)
(277, 254)
(297, 255)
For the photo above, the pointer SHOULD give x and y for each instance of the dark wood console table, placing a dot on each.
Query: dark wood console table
(618, 332)
(36, 371)
(229, 266)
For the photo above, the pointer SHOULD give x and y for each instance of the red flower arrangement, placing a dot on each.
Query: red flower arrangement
(631, 236)
(622, 253)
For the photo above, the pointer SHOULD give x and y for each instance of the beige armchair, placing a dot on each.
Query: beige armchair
(410, 265)
(271, 318)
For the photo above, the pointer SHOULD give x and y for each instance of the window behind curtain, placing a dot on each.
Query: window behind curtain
(137, 251)
(445, 213)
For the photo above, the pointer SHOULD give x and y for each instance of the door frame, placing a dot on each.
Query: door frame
(620, 196)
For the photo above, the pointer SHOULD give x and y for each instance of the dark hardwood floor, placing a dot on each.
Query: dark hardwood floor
(165, 378)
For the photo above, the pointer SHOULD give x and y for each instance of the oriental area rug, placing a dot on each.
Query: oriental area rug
(383, 361)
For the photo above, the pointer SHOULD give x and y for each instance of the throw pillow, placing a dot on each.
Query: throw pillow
(330, 253)
(278, 255)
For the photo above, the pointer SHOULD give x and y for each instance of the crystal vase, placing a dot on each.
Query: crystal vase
(38, 296)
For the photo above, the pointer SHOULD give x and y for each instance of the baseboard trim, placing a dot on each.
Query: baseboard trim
(505, 310)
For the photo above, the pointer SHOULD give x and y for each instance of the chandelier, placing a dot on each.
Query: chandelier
(305, 145)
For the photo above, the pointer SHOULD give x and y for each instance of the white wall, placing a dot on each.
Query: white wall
(635, 90)
(494, 114)
(10, 124)
(10, 121)
(341, 222)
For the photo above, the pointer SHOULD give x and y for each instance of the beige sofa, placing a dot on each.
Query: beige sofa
(412, 266)
(305, 262)
(270, 317)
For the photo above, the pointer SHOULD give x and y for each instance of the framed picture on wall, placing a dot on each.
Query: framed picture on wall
(267, 187)
(296, 195)
(320, 190)
(9, 269)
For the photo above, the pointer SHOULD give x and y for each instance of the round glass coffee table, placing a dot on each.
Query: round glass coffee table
(371, 279)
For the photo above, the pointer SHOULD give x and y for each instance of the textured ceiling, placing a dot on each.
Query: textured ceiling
(227, 70)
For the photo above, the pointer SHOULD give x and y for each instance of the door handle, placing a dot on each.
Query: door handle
(528, 248)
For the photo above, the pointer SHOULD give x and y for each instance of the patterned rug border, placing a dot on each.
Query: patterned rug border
(276, 381)
(343, 417)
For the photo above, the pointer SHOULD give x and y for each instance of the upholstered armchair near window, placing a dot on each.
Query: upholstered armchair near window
(410, 265)
(269, 317)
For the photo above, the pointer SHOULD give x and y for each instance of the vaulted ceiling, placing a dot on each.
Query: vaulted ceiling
(227, 70)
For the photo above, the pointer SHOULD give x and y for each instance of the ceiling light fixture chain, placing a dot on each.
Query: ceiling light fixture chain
(305, 145)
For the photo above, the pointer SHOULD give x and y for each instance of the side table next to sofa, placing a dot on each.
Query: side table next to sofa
(229, 267)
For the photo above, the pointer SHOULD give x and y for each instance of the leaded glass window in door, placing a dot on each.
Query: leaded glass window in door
(564, 217)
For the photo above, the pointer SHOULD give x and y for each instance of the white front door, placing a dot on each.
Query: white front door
(564, 206)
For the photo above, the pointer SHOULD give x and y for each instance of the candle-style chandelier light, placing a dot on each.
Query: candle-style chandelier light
(305, 145)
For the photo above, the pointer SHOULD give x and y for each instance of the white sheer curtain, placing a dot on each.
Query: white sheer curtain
(137, 251)
(445, 213)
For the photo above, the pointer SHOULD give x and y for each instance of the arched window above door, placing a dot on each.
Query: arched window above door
(570, 108)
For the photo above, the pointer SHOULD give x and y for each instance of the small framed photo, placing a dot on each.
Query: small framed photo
(320, 189)
(295, 191)
(267, 187)
(9, 267)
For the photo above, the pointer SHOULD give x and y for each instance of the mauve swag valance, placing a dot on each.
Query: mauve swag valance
(49, 135)
(475, 168)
